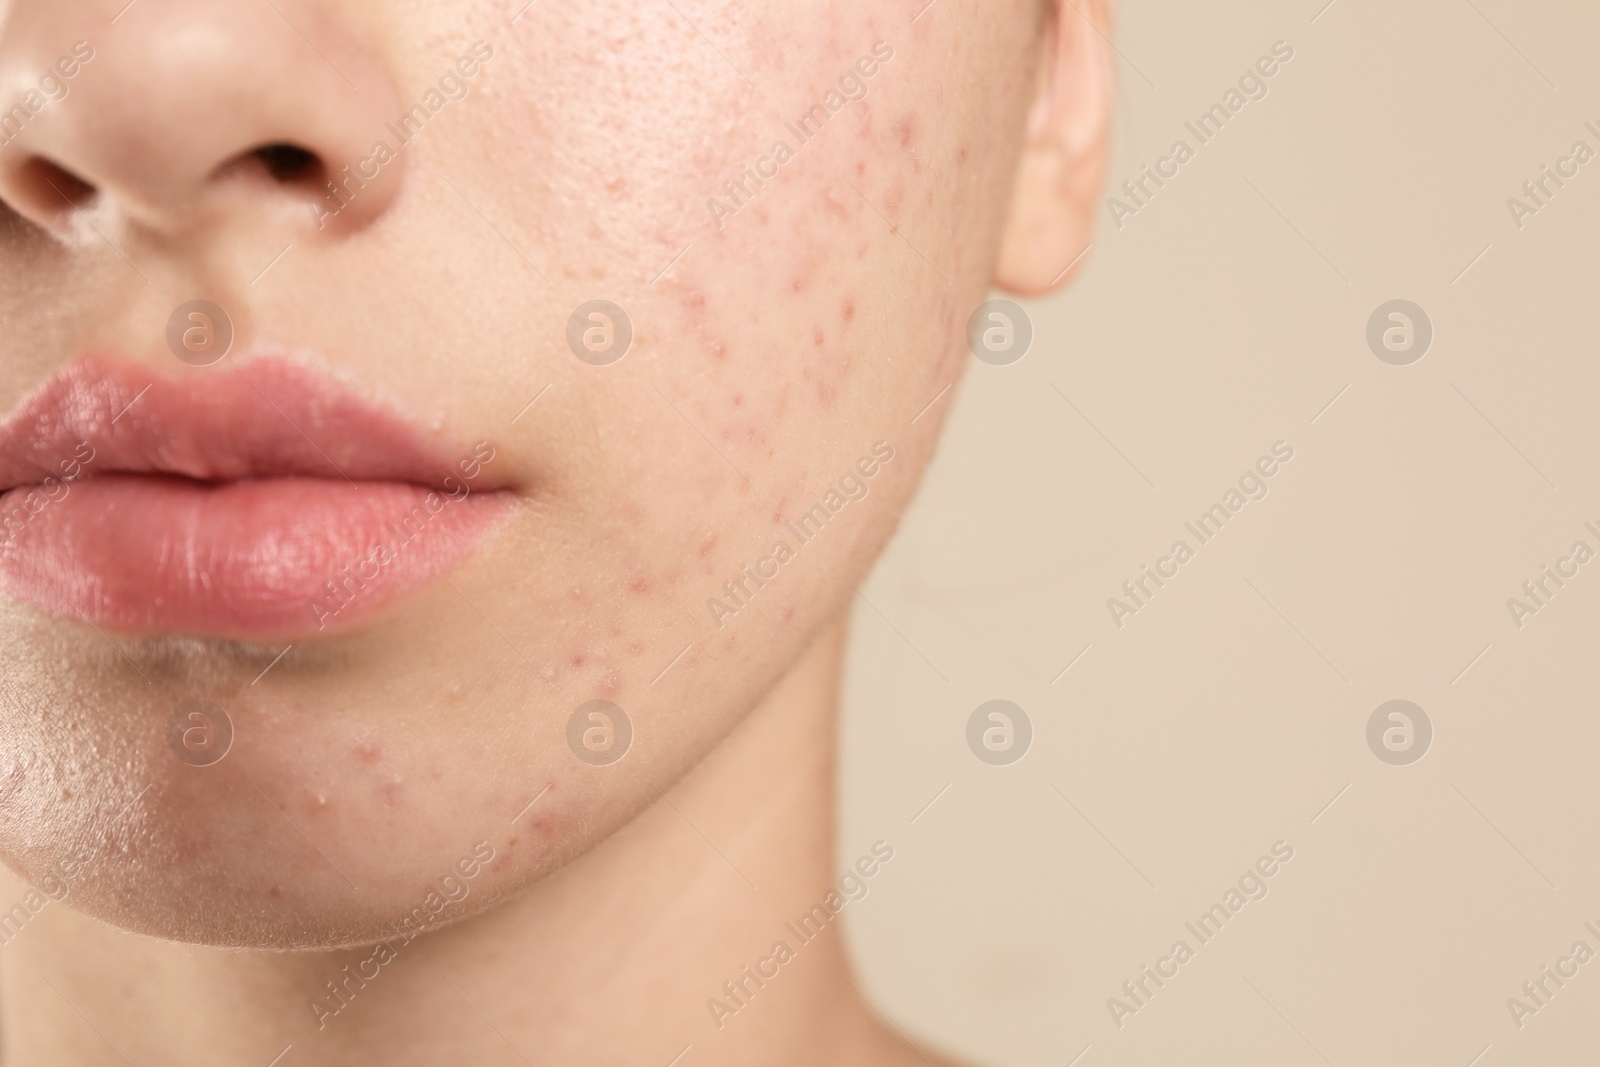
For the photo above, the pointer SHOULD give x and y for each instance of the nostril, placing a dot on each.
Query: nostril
(44, 192)
(50, 189)
(289, 163)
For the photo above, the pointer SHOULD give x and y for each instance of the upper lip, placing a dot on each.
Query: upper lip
(258, 418)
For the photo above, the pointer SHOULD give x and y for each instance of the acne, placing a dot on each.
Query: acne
(905, 130)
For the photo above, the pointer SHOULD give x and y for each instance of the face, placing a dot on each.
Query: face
(582, 355)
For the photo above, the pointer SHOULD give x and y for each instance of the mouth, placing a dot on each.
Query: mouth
(262, 501)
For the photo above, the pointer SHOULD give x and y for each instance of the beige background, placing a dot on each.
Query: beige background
(1223, 717)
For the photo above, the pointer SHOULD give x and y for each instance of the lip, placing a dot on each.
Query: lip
(264, 500)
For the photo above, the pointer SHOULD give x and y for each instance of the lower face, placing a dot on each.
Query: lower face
(793, 312)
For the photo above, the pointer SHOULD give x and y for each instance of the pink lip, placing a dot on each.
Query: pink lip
(259, 501)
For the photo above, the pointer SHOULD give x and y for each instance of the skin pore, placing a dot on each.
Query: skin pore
(788, 335)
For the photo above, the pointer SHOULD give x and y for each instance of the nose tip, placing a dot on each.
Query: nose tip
(184, 111)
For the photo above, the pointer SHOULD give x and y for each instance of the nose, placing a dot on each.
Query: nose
(173, 114)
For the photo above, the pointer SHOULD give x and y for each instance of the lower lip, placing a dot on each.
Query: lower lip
(278, 557)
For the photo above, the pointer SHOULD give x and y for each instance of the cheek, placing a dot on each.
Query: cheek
(763, 230)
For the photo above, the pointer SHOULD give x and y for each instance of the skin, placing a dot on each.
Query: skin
(794, 334)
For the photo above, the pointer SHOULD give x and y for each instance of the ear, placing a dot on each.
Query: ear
(1063, 164)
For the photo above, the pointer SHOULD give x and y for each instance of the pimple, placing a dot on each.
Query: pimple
(708, 543)
(905, 129)
(848, 311)
(368, 752)
(816, 338)
(638, 583)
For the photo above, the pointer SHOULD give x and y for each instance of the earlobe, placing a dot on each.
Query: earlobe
(1050, 223)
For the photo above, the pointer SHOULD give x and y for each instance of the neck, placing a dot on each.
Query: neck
(663, 938)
